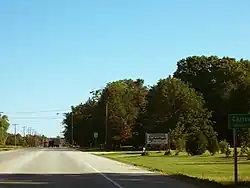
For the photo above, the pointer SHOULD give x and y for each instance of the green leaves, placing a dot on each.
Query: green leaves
(195, 101)
(4, 126)
(224, 83)
(4, 123)
(174, 105)
(125, 99)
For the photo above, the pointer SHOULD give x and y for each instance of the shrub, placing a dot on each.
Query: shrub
(168, 153)
(145, 153)
(224, 145)
(180, 145)
(196, 143)
(177, 152)
(228, 152)
(244, 150)
(213, 146)
(248, 155)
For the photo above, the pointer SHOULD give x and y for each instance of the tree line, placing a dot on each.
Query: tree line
(6, 138)
(192, 106)
(25, 141)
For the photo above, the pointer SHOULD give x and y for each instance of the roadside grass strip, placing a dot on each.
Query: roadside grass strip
(216, 168)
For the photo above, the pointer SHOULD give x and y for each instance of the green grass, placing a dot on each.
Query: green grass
(7, 148)
(214, 168)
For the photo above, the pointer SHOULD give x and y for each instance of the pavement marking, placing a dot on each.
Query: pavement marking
(22, 182)
(103, 175)
(130, 179)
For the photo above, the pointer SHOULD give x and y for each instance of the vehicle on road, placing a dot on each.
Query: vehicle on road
(54, 142)
(57, 142)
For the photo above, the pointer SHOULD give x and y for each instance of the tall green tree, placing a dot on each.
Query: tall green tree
(124, 98)
(219, 80)
(4, 126)
(175, 107)
(83, 127)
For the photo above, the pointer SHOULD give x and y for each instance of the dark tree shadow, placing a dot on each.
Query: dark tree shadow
(107, 180)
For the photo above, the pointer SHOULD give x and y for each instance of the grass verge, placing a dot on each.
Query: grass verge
(215, 171)
(7, 148)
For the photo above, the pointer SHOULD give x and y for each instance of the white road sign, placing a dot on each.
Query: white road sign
(95, 134)
(156, 138)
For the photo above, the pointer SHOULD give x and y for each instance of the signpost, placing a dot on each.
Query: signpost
(237, 121)
(95, 136)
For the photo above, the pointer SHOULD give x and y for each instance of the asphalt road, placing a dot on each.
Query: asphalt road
(66, 168)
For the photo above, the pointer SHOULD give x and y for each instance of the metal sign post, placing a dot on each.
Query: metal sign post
(235, 156)
(95, 137)
(237, 121)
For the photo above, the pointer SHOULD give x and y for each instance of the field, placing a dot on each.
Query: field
(214, 168)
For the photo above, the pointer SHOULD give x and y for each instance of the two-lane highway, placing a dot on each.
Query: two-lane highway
(65, 168)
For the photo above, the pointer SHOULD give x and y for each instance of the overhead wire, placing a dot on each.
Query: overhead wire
(36, 117)
(34, 112)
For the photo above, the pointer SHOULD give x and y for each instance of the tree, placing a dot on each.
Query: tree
(83, 123)
(4, 126)
(219, 80)
(174, 105)
(124, 100)
(197, 142)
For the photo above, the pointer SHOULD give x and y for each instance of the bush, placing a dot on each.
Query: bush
(196, 143)
(180, 145)
(224, 145)
(177, 152)
(248, 155)
(244, 150)
(168, 153)
(213, 146)
(228, 152)
(145, 153)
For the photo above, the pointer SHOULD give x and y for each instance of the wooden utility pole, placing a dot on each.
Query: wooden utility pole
(106, 123)
(24, 131)
(72, 128)
(15, 132)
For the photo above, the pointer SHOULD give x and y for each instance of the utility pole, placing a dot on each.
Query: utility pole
(24, 131)
(106, 123)
(35, 138)
(24, 135)
(29, 131)
(15, 132)
(72, 128)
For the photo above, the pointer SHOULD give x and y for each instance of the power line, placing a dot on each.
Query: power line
(35, 118)
(34, 112)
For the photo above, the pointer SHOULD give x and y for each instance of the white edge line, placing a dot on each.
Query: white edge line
(103, 175)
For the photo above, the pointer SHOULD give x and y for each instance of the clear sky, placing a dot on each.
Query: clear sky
(54, 52)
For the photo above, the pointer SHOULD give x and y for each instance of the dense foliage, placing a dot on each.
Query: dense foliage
(26, 141)
(192, 106)
(4, 126)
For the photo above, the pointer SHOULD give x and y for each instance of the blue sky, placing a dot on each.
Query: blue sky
(53, 53)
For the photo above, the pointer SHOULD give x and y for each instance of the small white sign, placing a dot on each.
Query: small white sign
(156, 138)
(95, 134)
